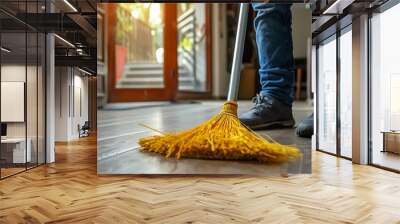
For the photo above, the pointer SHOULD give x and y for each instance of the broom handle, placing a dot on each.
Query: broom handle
(238, 52)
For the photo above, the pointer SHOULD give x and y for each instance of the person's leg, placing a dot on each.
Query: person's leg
(273, 26)
(275, 51)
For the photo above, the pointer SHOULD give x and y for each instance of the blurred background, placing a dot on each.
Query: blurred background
(157, 52)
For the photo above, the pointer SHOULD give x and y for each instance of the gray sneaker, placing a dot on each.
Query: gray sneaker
(267, 113)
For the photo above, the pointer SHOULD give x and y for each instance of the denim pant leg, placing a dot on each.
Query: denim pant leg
(273, 25)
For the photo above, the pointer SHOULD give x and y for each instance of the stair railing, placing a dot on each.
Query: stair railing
(187, 29)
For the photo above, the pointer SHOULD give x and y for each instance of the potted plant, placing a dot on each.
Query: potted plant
(129, 16)
(123, 27)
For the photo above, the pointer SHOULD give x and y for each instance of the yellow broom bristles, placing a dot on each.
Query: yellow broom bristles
(221, 137)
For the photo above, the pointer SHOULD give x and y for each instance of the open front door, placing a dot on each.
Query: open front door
(142, 51)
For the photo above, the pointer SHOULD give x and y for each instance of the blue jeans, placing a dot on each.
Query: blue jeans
(273, 25)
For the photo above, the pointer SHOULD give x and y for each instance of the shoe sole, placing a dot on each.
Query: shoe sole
(274, 124)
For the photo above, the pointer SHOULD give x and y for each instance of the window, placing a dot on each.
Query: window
(326, 90)
(334, 109)
(385, 89)
(345, 42)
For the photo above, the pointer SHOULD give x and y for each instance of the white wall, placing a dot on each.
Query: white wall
(34, 125)
(71, 87)
(61, 103)
(16, 73)
(13, 73)
(13, 101)
(80, 94)
(219, 61)
(301, 29)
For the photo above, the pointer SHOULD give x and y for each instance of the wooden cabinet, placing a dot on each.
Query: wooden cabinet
(391, 142)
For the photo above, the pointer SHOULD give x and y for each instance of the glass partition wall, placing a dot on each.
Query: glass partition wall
(345, 92)
(22, 77)
(385, 89)
(334, 94)
(335, 78)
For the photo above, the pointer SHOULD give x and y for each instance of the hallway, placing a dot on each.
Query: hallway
(70, 191)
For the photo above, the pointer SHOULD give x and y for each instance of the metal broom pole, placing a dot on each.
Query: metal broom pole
(238, 53)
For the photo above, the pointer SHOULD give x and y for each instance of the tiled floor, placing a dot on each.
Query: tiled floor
(119, 130)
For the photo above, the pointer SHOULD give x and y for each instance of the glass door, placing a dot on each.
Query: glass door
(15, 147)
(22, 92)
(194, 50)
(142, 51)
(385, 89)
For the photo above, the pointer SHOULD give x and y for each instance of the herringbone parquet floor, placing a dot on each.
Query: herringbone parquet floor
(70, 191)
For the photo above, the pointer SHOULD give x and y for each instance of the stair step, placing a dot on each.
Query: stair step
(152, 79)
(139, 86)
(143, 66)
(143, 73)
(139, 66)
(182, 86)
(143, 79)
(185, 87)
(134, 83)
(151, 73)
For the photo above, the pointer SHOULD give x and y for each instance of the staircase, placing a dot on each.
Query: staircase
(144, 76)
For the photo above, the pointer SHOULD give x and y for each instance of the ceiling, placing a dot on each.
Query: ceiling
(72, 20)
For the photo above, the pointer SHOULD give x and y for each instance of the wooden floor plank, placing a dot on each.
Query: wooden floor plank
(70, 191)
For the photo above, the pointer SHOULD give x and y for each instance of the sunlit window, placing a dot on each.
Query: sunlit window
(346, 94)
(327, 96)
(385, 84)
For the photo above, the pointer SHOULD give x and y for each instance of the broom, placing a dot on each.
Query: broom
(223, 136)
